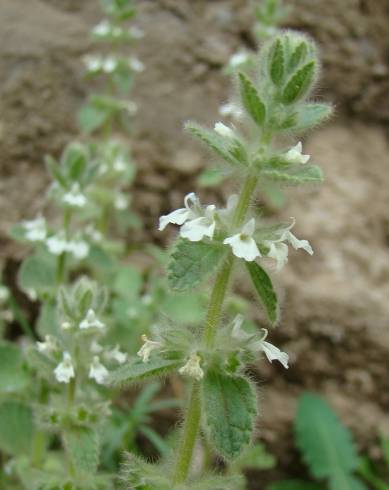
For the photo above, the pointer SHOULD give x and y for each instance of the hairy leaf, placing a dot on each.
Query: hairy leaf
(16, 427)
(298, 55)
(230, 407)
(277, 63)
(302, 174)
(310, 115)
(299, 84)
(251, 100)
(325, 443)
(82, 446)
(264, 287)
(138, 371)
(191, 263)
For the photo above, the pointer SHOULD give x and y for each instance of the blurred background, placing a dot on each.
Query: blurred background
(335, 322)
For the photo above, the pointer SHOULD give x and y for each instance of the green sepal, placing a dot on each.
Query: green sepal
(16, 427)
(230, 408)
(301, 174)
(300, 83)
(251, 100)
(139, 371)
(277, 62)
(83, 448)
(264, 287)
(192, 263)
(311, 115)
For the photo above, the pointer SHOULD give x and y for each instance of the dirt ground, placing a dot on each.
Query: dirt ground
(335, 310)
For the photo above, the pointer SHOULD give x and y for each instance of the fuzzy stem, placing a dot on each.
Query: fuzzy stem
(193, 413)
(61, 262)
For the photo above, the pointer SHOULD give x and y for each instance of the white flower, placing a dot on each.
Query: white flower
(223, 130)
(272, 352)
(109, 64)
(296, 243)
(230, 110)
(295, 155)
(95, 347)
(192, 368)
(147, 299)
(93, 63)
(65, 370)
(232, 201)
(4, 294)
(121, 202)
(103, 28)
(136, 32)
(48, 346)
(79, 249)
(120, 164)
(196, 229)
(116, 355)
(236, 329)
(94, 234)
(147, 347)
(66, 325)
(98, 371)
(91, 321)
(279, 252)
(32, 294)
(243, 244)
(57, 244)
(239, 58)
(35, 230)
(75, 197)
(180, 216)
(135, 64)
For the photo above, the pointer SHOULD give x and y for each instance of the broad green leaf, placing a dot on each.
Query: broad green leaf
(128, 282)
(192, 262)
(13, 376)
(345, 481)
(294, 485)
(212, 140)
(302, 174)
(325, 443)
(82, 446)
(37, 272)
(264, 287)
(299, 84)
(184, 308)
(91, 118)
(277, 62)
(230, 407)
(138, 371)
(16, 427)
(251, 100)
(310, 115)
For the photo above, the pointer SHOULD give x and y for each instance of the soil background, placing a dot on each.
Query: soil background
(335, 320)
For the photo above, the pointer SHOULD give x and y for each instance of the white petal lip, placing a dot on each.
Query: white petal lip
(274, 353)
(245, 248)
(177, 217)
(279, 252)
(296, 243)
(223, 130)
(65, 370)
(98, 371)
(294, 155)
(196, 229)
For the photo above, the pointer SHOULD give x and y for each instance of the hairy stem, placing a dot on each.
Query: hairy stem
(61, 262)
(193, 413)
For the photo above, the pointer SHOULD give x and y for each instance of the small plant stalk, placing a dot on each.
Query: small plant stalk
(193, 413)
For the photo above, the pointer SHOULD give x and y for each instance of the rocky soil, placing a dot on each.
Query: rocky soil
(336, 310)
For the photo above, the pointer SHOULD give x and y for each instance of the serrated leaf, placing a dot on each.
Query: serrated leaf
(299, 84)
(345, 481)
(310, 115)
(16, 427)
(325, 443)
(294, 485)
(302, 174)
(191, 263)
(138, 371)
(251, 100)
(212, 140)
(277, 63)
(230, 407)
(13, 376)
(37, 272)
(264, 287)
(82, 446)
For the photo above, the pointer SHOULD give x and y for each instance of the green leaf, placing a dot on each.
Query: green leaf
(211, 177)
(192, 262)
(128, 282)
(310, 115)
(91, 118)
(219, 482)
(298, 55)
(212, 140)
(47, 323)
(184, 308)
(294, 485)
(344, 481)
(325, 443)
(264, 287)
(253, 457)
(138, 371)
(301, 174)
(251, 100)
(16, 427)
(82, 446)
(37, 272)
(299, 84)
(277, 63)
(13, 376)
(230, 407)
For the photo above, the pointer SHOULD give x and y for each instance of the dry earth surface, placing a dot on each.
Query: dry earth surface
(335, 308)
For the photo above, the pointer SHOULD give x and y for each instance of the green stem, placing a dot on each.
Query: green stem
(61, 263)
(193, 413)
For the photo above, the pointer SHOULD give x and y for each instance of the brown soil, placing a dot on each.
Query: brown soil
(335, 310)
